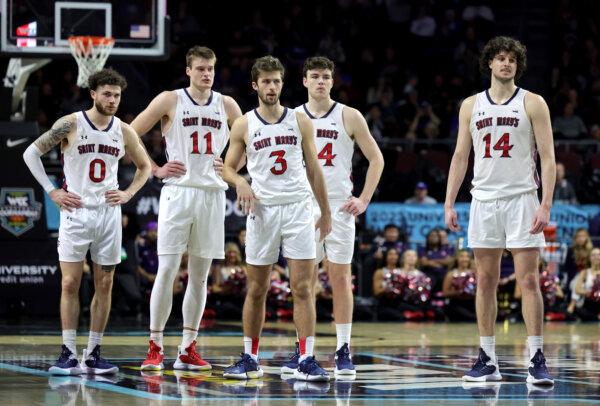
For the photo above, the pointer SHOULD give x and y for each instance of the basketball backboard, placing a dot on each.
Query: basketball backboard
(40, 28)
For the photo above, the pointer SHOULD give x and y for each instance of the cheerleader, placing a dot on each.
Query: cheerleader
(459, 289)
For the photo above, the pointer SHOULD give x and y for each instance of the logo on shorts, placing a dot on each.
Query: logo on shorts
(18, 209)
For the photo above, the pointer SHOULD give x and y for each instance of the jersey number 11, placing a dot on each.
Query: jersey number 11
(207, 137)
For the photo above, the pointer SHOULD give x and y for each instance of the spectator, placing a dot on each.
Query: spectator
(563, 191)
(569, 125)
(148, 262)
(578, 253)
(420, 196)
(228, 284)
(459, 289)
(241, 243)
(390, 239)
(587, 287)
(435, 259)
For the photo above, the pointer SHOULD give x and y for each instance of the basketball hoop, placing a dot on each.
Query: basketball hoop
(90, 53)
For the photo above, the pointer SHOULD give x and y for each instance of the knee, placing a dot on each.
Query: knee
(257, 291)
(301, 290)
(340, 279)
(70, 285)
(529, 283)
(486, 282)
(104, 284)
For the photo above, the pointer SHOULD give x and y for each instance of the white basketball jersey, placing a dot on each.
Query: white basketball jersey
(275, 160)
(196, 136)
(91, 162)
(334, 150)
(504, 147)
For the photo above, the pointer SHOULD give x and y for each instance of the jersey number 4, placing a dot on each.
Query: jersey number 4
(503, 145)
(207, 137)
(327, 155)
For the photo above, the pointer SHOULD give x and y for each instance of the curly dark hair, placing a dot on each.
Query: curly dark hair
(267, 64)
(317, 62)
(503, 44)
(107, 76)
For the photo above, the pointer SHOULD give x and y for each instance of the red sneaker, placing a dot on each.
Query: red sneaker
(154, 358)
(188, 358)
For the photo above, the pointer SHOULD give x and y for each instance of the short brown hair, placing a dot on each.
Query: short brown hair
(503, 44)
(106, 76)
(199, 52)
(267, 64)
(317, 62)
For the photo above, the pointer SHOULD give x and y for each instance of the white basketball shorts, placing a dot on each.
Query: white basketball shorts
(98, 229)
(338, 246)
(290, 226)
(191, 219)
(504, 223)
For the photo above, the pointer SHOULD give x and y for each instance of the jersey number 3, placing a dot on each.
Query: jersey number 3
(503, 145)
(280, 164)
(207, 137)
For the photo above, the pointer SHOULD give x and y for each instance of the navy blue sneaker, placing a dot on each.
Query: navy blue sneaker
(245, 368)
(94, 364)
(309, 370)
(483, 370)
(538, 373)
(343, 362)
(67, 364)
(291, 365)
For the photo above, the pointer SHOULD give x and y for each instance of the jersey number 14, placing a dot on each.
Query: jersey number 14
(503, 145)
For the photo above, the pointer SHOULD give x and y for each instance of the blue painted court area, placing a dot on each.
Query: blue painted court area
(413, 374)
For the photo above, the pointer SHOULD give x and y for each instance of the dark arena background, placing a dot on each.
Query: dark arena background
(406, 66)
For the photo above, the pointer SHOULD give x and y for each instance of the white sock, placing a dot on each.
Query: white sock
(157, 337)
(251, 347)
(69, 339)
(195, 293)
(188, 337)
(488, 344)
(94, 340)
(309, 345)
(535, 343)
(161, 298)
(342, 332)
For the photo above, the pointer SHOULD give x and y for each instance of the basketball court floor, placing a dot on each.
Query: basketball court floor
(398, 363)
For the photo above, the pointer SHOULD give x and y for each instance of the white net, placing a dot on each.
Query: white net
(91, 54)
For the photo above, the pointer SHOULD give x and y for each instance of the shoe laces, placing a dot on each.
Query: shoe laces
(538, 360)
(153, 351)
(242, 360)
(191, 352)
(311, 364)
(482, 360)
(343, 352)
(65, 353)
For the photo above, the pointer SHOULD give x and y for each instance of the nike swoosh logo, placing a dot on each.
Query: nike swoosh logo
(13, 143)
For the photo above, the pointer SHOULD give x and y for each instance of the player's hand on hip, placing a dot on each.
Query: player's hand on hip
(451, 219)
(172, 169)
(246, 199)
(116, 197)
(323, 224)
(65, 200)
(541, 220)
(218, 165)
(354, 206)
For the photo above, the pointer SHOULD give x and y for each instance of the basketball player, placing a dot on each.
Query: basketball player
(92, 142)
(276, 140)
(195, 123)
(336, 128)
(505, 124)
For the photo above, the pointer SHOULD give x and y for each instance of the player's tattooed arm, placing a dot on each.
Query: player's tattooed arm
(59, 131)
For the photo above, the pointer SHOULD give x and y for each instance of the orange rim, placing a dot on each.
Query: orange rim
(94, 40)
